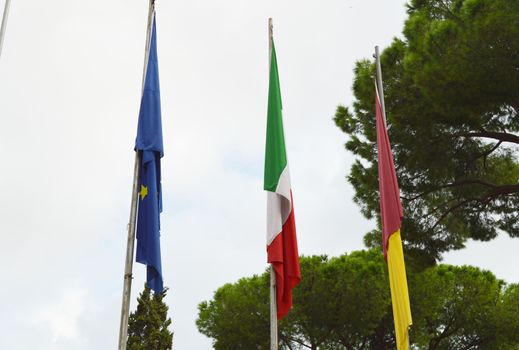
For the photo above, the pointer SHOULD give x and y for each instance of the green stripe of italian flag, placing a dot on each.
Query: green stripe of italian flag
(281, 230)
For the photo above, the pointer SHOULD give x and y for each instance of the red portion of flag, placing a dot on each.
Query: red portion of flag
(390, 205)
(284, 257)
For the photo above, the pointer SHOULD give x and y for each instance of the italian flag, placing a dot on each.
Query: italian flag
(391, 216)
(281, 229)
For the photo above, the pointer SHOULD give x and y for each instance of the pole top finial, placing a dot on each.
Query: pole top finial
(271, 28)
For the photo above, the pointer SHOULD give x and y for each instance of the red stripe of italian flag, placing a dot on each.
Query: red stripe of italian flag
(281, 229)
(391, 214)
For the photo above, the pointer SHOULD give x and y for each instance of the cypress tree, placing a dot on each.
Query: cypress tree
(148, 326)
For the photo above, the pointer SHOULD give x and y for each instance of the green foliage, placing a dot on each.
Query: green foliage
(452, 111)
(324, 316)
(238, 316)
(508, 308)
(344, 303)
(359, 299)
(148, 325)
(307, 323)
(455, 308)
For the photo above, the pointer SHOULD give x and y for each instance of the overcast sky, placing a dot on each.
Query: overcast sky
(70, 82)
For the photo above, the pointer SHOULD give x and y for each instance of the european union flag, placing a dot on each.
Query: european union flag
(149, 143)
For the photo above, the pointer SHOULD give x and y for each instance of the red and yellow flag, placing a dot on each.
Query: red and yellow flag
(392, 213)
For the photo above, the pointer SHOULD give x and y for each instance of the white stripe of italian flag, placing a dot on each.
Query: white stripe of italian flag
(281, 229)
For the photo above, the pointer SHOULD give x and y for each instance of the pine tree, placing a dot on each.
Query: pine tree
(454, 131)
(148, 325)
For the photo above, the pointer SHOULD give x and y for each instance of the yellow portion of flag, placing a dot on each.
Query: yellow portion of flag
(399, 291)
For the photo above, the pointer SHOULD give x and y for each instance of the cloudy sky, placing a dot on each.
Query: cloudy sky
(70, 80)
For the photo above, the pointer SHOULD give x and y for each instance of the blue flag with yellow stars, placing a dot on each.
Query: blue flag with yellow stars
(149, 144)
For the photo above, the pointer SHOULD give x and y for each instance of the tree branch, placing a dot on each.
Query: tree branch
(515, 105)
(287, 343)
(496, 192)
(295, 340)
(487, 153)
(345, 343)
(456, 184)
(501, 136)
(447, 332)
(476, 341)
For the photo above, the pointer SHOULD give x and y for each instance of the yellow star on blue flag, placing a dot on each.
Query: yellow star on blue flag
(143, 192)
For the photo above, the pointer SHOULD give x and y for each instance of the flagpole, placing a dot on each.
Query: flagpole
(273, 302)
(379, 82)
(4, 24)
(128, 268)
(273, 311)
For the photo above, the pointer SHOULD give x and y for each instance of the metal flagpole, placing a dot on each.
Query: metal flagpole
(4, 24)
(125, 309)
(379, 83)
(273, 311)
(273, 302)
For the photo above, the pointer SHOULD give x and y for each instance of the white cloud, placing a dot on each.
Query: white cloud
(62, 316)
